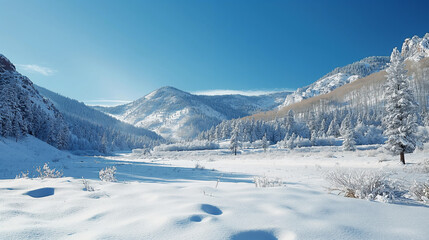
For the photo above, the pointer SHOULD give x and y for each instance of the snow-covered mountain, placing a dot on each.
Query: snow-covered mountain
(414, 49)
(176, 114)
(94, 130)
(337, 78)
(24, 111)
(367, 93)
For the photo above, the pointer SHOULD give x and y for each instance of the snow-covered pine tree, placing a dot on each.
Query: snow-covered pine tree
(400, 109)
(333, 128)
(290, 124)
(291, 142)
(285, 139)
(265, 143)
(277, 132)
(234, 143)
(313, 137)
(322, 130)
(345, 124)
(349, 140)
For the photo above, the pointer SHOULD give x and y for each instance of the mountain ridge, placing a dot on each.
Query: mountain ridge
(416, 54)
(338, 77)
(107, 133)
(177, 114)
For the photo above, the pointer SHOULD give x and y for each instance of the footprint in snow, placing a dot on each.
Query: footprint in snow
(196, 218)
(210, 209)
(41, 192)
(253, 235)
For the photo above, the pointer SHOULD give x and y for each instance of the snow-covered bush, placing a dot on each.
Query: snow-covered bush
(263, 182)
(22, 175)
(362, 184)
(368, 134)
(187, 146)
(86, 185)
(420, 191)
(256, 144)
(108, 174)
(46, 172)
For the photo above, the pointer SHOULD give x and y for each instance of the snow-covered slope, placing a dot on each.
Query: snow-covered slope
(24, 111)
(89, 126)
(26, 154)
(176, 114)
(337, 78)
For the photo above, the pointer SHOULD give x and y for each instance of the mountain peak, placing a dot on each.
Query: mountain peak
(165, 91)
(6, 65)
(169, 89)
(416, 48)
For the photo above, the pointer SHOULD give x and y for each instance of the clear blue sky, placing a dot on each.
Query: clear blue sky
(122, 50)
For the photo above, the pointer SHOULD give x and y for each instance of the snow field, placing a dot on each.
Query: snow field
(164, 196)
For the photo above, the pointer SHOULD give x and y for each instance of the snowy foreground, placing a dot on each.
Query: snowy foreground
(202, 195)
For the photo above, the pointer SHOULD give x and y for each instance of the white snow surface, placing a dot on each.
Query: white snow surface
(164, 196)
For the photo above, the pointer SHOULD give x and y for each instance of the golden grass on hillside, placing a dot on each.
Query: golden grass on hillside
(373, 82)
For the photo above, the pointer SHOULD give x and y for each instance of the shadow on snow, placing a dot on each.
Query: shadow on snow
(149, 172)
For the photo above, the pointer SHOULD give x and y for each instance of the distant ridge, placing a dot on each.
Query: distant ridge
(177, 114)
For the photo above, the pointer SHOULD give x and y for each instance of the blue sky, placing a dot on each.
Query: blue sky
(122, 50)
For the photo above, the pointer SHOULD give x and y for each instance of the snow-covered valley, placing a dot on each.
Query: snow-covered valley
(207, 194)
(344, 157)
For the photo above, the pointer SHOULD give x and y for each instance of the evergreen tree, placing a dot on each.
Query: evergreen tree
(400, 109)
(16, 126)
(290, 124)
(349, 140)
(234, 142)
(265, 143)
(313, 137)
(291, 142)
(346, 124)
(322, 130)
(333, 128)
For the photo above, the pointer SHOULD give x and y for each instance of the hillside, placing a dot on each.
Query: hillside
(367, 92)
(337, 78)
(24, 111)
(94, 130)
